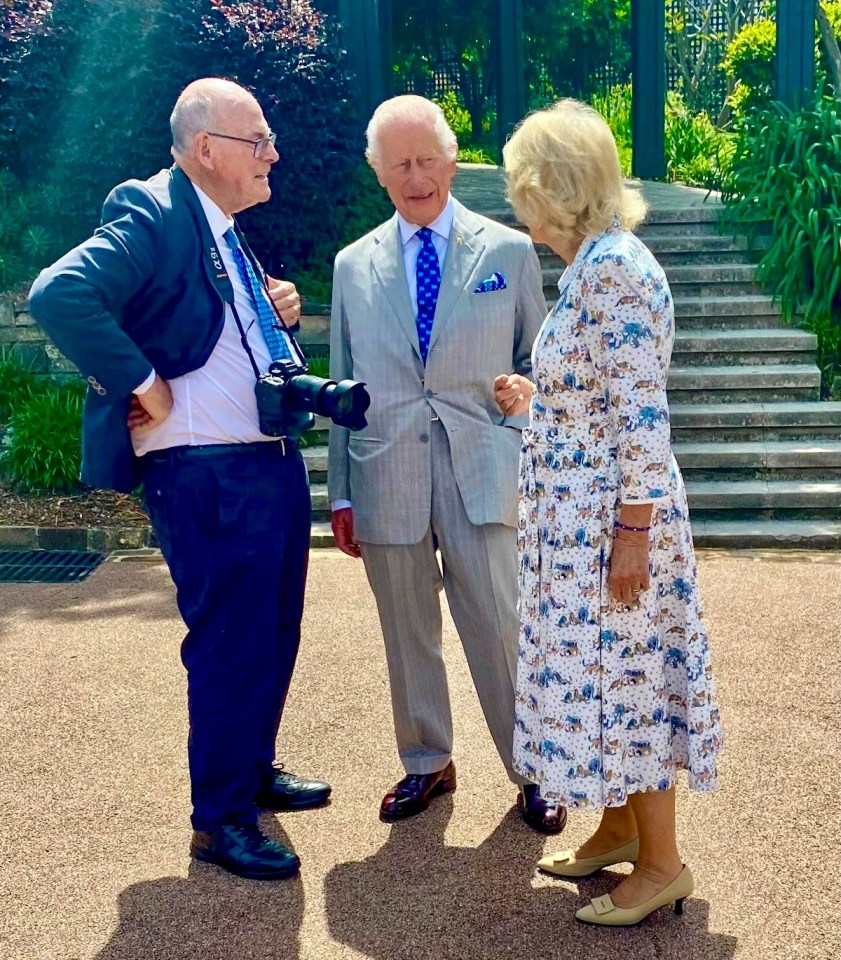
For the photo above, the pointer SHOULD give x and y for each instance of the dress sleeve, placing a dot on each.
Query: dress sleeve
(625, 340)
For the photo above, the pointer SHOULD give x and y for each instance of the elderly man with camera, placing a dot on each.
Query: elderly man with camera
(192, 391)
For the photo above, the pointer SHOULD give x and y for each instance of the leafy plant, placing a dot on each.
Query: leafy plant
(615, 106)
(697, 153)
(108, 74)
(456, 115)
(476, 155)
(365, 206)
(25, 245)
(785, 170)
(44, 450)
(17, 384)
(750, 59)
(697, 35)
(749, 62)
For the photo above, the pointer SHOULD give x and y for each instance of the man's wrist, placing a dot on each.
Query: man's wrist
(145, 386)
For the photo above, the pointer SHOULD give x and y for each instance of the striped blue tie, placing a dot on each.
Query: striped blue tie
(428, 272)
(275, 340)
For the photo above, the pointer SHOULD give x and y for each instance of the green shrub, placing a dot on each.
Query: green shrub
(476, 155)
(697, 153)
(457, 116)
(750, 59)
(17, 383)
(365, 206)
(785, 170)
(615, 107)
(109, 73)
(25, 245)
(44, 446)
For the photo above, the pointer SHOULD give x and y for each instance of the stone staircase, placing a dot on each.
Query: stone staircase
(759, 452)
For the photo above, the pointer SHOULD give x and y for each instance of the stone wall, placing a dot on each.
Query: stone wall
(19, 335)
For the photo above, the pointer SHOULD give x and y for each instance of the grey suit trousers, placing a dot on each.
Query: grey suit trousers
(480, 579)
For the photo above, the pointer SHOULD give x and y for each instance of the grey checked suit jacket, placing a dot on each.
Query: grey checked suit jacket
(386, 469)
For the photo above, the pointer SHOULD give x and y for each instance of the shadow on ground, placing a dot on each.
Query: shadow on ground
(209, 915)
(417, 898)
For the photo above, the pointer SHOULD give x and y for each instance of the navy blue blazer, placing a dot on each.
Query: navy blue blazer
(146, 291)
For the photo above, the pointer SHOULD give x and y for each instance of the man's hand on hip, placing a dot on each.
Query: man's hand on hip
(286, 299)
(342, 523)
(151, 408)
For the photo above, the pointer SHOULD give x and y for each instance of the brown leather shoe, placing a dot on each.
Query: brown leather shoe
(538, 813)
(413, 794)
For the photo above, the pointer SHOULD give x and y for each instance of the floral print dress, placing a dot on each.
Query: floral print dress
(611, 700)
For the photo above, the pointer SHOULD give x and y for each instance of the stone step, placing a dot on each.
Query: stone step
(762, 383)
(676, 250)
(767, 534)
(748, 534)
(779, 345)
(764, 499)
(806, 420)
(320, 501)
(664, 216)
(316, 460)
(759, 459)
(688, 280)
(726, 313)
(321, 535)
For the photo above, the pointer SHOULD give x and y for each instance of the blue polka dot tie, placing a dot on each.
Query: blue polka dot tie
(275, 339)
(429, 283)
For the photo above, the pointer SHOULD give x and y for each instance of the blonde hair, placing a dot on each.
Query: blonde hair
(409, 108)
(564, 177)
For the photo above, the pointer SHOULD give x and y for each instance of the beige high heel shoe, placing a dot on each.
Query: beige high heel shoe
(565, 864)
(604, 913)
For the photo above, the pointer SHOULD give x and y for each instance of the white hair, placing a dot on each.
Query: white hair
(197, 106)
(409, 108)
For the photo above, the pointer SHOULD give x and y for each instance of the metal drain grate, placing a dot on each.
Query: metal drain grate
(47, 566)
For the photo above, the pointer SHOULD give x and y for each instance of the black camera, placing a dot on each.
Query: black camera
(288, 396)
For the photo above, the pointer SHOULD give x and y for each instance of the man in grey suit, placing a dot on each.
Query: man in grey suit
(427, 309)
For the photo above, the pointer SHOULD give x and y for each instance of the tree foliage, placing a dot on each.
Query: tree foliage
(109, 71)
(566, 43)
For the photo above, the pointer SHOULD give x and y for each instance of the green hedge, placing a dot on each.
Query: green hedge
(786, 170)
(107, 75)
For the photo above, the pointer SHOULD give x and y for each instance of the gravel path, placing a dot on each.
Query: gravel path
(93, 796)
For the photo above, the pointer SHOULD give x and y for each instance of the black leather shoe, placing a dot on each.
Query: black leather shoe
(285, 791)
(538, 813)
(412, 795)
(245, 851)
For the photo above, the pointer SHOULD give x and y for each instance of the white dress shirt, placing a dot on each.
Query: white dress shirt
(441, 228)
(216, 403)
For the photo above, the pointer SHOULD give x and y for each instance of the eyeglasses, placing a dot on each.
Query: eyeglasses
(261, 146)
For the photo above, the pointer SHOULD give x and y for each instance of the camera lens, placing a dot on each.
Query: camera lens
(344, 403)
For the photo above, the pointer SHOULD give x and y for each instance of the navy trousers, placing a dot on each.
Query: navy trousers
(233, 524)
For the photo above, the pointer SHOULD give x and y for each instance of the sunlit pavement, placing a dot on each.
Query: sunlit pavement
(94, 796)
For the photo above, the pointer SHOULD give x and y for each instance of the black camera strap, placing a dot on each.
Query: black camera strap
(243, 339)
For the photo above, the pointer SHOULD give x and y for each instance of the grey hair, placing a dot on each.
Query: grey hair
(195, 109)
(409, 108)
(191, 115)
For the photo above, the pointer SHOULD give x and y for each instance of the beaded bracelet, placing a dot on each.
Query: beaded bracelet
(623, 526)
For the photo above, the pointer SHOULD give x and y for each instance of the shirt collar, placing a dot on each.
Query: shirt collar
(219, 223)
(443, 225)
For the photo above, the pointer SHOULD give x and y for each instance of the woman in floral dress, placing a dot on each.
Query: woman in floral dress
(615, 692)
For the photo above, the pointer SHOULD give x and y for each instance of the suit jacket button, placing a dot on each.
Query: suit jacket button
(429, 394)
(424, 438)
